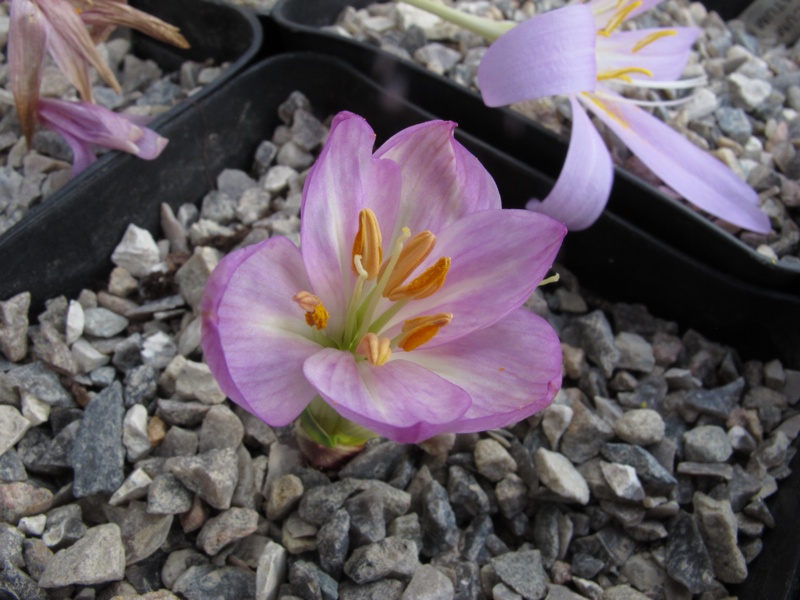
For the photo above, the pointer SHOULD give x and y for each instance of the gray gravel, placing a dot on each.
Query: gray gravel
(652, 470)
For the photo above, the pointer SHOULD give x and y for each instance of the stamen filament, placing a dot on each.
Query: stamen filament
(549, 280)
(387, 315)
(377, 292)
(618, 18)
(352, 307)
(649, 39)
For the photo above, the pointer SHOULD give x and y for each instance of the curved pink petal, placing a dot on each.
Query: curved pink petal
(551, 53)
(498, 259)
(511, 370)
(582, 189)
(83, 125)
(400, 400)
(255, 338)
(442, 181)
(665, 58)
(692, 172)
(345, 179)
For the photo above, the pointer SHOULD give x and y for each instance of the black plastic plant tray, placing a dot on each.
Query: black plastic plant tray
(217, 31)
(68, 246)
(299, 24)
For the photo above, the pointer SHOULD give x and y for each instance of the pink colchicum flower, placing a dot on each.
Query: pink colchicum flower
(86, 125)
(579, 50)
(402, 312)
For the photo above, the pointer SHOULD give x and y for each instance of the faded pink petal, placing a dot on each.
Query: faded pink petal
(552, 53)
(72, 47)
(105, 13)
(584, 185)
(511, 370)
(345, 179)
(442, 181)
(400, 400)
(26, 47)
(255, 338)
(665, 57)
(85, 125)
(692, 172)
(498, 259)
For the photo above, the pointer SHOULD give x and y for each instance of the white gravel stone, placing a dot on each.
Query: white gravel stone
(192, 276)
(555, 421)
(750, 92)
(103, 323)
(158, 350)
(98, 557)
(622, 479)
(133, 488)
(32, 525)
(33, 409)
(12, 427)
(558, 474)
(87, 356)
(641, 426)
(271, 571)
(134, 432)
(492, 460)
(137, 252)
(196, 382)
(75, 322)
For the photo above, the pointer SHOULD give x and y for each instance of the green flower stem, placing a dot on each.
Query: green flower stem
(329, 429)
(491, 30)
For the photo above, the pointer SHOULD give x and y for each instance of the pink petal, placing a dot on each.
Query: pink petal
(72, 48)
(255, 338)
(605, 9)
(442, 181)
(345, 179)
(551, 53)
(582, 189)
(83, 125)
(400, 400)
(511, 370)
(692, 172)
(665, 58)
(498, 259)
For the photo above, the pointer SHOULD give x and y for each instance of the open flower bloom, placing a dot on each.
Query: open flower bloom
(402, 312)
(512, 71)
(86, 125)
(60, 28)
(580, 50)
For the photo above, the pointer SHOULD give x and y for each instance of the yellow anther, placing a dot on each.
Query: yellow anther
(423, 286)
(368, 244)
(376, 349)
(623, 73)
(420, 330)
(618, 18)
(649, 39)
(318, 318)
(316, 313)
(411, 256)
(307, 301)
